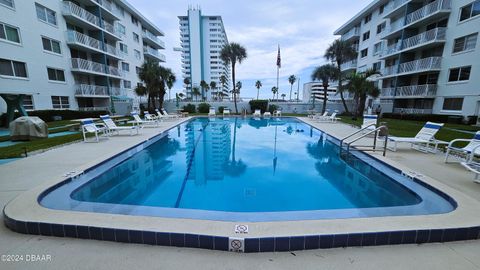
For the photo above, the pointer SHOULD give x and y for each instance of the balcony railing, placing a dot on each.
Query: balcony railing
(74, 37)
(69, 8)
(90, 66)
(117, 91)
(437, 34)
(393, 5)
(153, 38)
(349, 65)
(110, 28)
(424, 64)
(427, 10)
(395, 26)
(354, 32)
(152, 52)
(412, 111)
(90, 90)
(424, 90)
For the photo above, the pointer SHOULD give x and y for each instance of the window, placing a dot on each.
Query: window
(56, 74)
(452, 104)
(45, 14)
(9, 33)
(8, 3)
(123, 48)
(364, 53)
(459, 74)
(137, 54)
(376, 66)
(470, 10)
(377, 48)
(28, 102)
(121, 29)
(381, 9)
(60, 102)
(125, 66)
(51, 45)
(134, 21)
(13, 68)
(127, 84)
(366, 35)
(465, 43)
(136, 38)
(380, 28)
(368, 18)
(138, 70)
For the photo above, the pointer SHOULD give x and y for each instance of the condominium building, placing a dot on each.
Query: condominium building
(314, 90)
(82, 55)
(202, 38)
(426, 51)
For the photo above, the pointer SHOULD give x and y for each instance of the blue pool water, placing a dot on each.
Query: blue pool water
(245, 169)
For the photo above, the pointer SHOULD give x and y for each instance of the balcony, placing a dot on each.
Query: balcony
(349, 65)
(117, 91)
(152, 40)
(353, 33)
(410, 91)
(427, 11)
(394, 8)
(152, 53)
(107, 6)
(426, 38)
(88, 90)
(412, 111)
(77, 39)
(90, 67)
(421, 65)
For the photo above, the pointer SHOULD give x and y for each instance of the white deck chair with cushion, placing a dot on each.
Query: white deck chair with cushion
(112, 127)
(150, 117)
(143, 123)
(368, 121)
(226, 111)
(88, 126)
(161, 116)
(425, 137)
(211, 111)
(319, 116)
(165, 113)
(267, 114)
(472, 148)
(473, 167)
(257, 113)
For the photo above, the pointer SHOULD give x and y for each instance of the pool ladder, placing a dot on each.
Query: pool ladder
(363, 135)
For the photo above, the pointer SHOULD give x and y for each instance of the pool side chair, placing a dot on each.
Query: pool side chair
(320, 117)
(473, 167)
(471, 149)
(143, 123)
(330, 119)
(211, 111)
(150, 117)
(88, 126)
(113, 128)
(226, 112)
(161, 116)
(165, 113)
(425, 137)
(368, 121)
(277, 113)
(257, 113)
(267, 114)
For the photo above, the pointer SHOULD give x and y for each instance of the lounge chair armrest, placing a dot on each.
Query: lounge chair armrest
(457, 140)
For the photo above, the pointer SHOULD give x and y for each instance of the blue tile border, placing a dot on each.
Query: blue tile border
(264, 244)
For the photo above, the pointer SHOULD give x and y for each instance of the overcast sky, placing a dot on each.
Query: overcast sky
(302, 28)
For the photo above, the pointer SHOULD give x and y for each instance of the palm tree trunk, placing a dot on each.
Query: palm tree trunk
(258, 91)
(291, 86)
(324, 98)
(234, 92)
(340, 89)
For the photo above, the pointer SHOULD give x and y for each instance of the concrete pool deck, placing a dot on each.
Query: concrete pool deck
(16, 180)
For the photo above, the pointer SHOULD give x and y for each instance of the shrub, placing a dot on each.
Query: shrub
(190, 108)
(258, 104)
(441, 118)
(220, 109)
(203, 107)
(272, 108)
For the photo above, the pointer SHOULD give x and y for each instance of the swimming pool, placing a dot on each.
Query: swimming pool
(245, 169)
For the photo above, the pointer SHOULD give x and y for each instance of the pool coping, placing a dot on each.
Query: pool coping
(25, 215)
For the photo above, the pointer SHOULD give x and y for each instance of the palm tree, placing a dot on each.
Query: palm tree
(235, 167)
(166, 76)
(150, 75)
(361, 87)
(258, 85)
(181, 95)
(223, 81)
(196, 92)
(292, 79)
(339, 52)
(274, 91)
(231, 54)
(283, 96)
(213, 86)
(140, 91)
(204, 86)
(186, 81)
(170, 82)
(325, 74)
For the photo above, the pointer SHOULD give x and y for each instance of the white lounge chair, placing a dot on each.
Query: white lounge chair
(112, 127)
(267, 114)
(161, 116)
(211, 111)
(143, 123)
(257, 113)
(319, 116)
(473, 167)
(471, 149)
(88, 126)
(332, 118)
(150, 117)
(368, 121)
(277, 113)
(226, 111)
(422, 141)
(165, 113)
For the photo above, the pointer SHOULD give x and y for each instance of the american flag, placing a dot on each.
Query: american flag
(279, 60)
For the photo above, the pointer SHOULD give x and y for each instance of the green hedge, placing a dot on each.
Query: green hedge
(272, 108)
(258, 104)
(441, 118)
(51, 115)
(190, 108)
(203, 107)
(221, 108)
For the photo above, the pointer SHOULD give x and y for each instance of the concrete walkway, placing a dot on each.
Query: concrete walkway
(68, 253)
